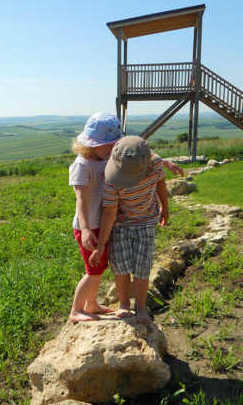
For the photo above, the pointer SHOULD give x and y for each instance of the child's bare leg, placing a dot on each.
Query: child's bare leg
(123, 290)
(140, 288)
(83, 308)
(91, 305)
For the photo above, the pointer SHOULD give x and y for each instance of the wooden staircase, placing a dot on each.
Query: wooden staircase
(221, 96)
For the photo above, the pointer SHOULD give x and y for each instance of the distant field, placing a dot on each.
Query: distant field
(33, 137)
(207, 127)
(26, 143)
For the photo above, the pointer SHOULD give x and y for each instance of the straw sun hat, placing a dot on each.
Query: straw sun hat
(129, 162)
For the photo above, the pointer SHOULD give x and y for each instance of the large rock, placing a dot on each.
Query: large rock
(187, 249)
(180, 187)
(71, 402)
(163, 272)
(91, 361)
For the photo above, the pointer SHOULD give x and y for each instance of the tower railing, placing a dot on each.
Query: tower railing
(177, 78)
(156, 78)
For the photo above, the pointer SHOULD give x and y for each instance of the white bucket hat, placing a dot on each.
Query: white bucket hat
(100, 129)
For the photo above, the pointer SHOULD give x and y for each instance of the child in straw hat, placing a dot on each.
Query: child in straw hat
(135, 200)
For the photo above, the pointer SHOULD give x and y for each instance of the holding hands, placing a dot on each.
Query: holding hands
(95, 257)
(176, 170)
(89, 240)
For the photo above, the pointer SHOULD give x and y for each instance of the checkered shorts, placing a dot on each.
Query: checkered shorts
(131, 250)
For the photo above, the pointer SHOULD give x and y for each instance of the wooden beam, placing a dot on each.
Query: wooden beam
(197, 88)
(118, 103)
(190, 129)
(125, 52)
(163, 118)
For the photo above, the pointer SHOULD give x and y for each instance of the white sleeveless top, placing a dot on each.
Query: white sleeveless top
(87, 172)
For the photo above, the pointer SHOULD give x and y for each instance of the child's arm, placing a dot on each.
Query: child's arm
(163, 197)
(107, 220)
(88, 237)
(173, 167)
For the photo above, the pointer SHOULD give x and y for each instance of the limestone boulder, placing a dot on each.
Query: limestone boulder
(91, 361)
(163, 272)
(71, 402)
(213, 163)
(187, 249)
(196, 171)
(223, 209)
(186, 159)
(180, 187)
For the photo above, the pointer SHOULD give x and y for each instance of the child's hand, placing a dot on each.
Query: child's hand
(164, 216)
(95, 257)
(174, 168)
(89, 240)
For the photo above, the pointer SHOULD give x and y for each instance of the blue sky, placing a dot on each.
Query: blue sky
(59, 57)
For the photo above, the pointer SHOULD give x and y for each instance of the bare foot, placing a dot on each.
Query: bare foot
(82, 316)
(124, 313)
(98, 309)
(143, 317)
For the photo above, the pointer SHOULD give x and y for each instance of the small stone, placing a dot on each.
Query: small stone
(213, 163)
(71, 402)
(111, 296)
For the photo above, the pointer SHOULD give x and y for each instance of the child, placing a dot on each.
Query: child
(135, 189)
(86, 175)
(93, 147)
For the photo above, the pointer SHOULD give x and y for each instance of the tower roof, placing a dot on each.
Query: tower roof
(158, 22)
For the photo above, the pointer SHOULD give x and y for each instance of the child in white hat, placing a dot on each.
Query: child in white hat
(86, 175)
(135, 200)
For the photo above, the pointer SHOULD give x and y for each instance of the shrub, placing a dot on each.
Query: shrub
(182, 137)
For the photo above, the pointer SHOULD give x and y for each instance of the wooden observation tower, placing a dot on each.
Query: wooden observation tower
(183, 82)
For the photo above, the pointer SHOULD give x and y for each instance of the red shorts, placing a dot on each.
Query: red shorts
(97, 270)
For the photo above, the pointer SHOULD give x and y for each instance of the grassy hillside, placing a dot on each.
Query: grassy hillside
(30, 137)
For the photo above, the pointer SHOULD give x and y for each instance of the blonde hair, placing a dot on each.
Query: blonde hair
(86, 151)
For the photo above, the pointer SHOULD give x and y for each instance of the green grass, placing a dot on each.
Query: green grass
(212, 149)
(41, 265)
(221, 185)
(191, 306)
(40, 262)
(211, 295)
